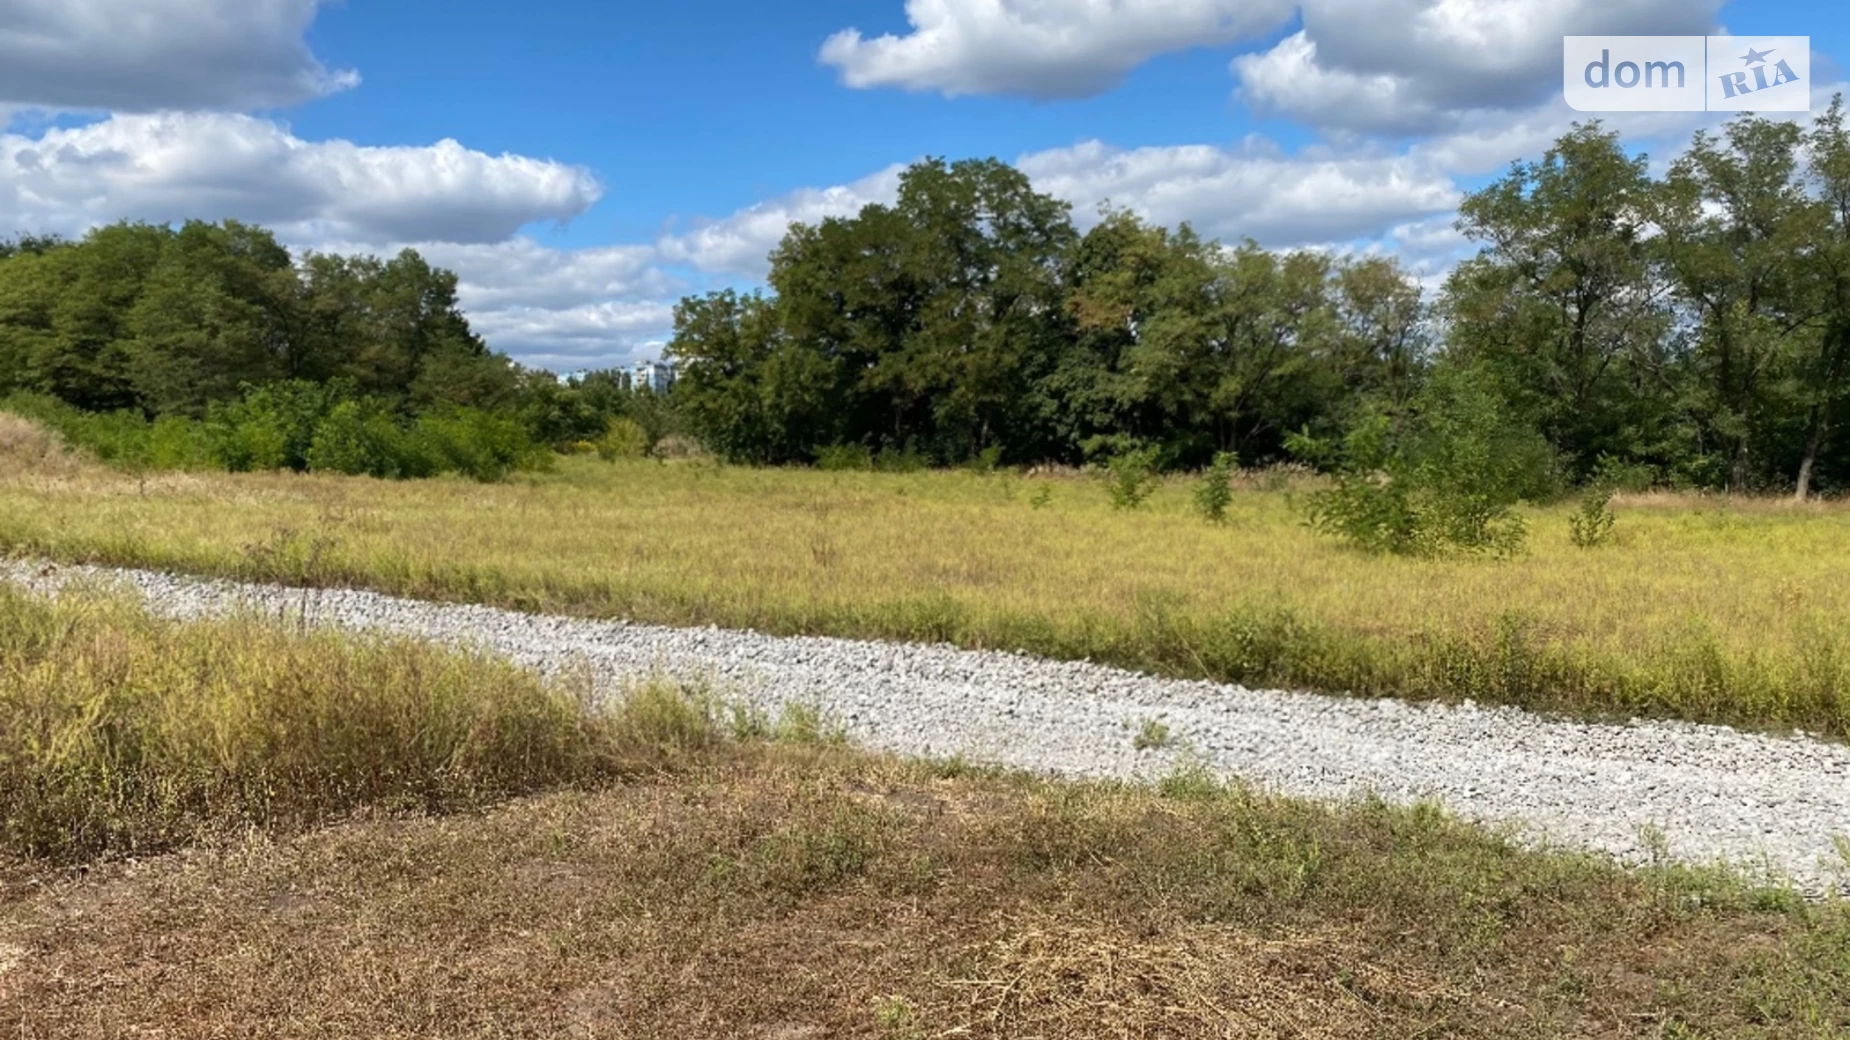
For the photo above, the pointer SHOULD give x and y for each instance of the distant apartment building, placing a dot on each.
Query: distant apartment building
(654, 376)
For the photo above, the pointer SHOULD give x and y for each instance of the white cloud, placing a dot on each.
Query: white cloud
(523, 272)
(1411, 66)
(1042, 49)
(170, 167)
(742, 243)
(1251, 191)
(149, 55)
(593, 335)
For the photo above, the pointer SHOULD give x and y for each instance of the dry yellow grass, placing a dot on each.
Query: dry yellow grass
(27, 448)
(798, 892)
(1707, 609)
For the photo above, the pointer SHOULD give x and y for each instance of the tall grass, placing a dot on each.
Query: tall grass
(1709, 609)
(121, 733)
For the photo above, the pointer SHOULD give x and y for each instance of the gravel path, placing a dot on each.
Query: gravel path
(1709, 793)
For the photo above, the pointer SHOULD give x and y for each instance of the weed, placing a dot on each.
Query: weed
(807, 724)
(1152, 735)
(1130, 478)
(1215, 491)
(1592, 524)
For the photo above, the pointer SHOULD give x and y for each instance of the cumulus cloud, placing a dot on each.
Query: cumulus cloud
(1042, 49)
(564, 309)
(592, 335)
(742, 243)
(1414, 66)
(522, 272)
(1250, 191)
(170, 167)
(151, 55)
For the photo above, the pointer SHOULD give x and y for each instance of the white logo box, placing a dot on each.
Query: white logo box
(1687, 73)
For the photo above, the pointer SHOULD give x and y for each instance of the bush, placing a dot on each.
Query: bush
(902, 460)
(124, 439)
(844, 457)
(1130, 478)
(480, 445)
(357, 440)
(1447, 479)
(624, 438)
(271, 426)
(178, 443)
(1215, 492)
(1591, 526)
(985, 461)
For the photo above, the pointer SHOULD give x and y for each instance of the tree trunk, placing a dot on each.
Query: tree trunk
(1813, 443)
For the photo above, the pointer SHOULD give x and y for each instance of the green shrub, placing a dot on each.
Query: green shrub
(1591, 526)
(1447, 478)
(357, 440)
(480, 445)
(271, 426)
(1130, 478)
(902, 460)
(178, 443)
(985, 461)
(1215, 492)
(624, 438)
(844, 457)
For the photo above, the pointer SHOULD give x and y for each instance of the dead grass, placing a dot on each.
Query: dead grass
(123, 734)
(787, 891)
(26, 448)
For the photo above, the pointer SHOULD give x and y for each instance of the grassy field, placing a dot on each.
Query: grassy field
(669, 874)
(1706, 609)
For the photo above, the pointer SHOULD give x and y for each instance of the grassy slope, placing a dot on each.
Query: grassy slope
(1708, 610)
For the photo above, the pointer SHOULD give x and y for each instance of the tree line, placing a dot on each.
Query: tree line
(1688, 327)
(211, 345)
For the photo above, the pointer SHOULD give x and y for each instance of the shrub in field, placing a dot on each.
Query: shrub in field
(624, 438)
(477, 444)
(272, 426)
(357, 440)
(844, 457)
(984, 461)
(1130, 478)
(1215, 492)
(1445, 479)
(1591, 526)
(125, 440)
(901, 460)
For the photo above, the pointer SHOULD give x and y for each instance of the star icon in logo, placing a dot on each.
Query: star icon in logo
(1754, 57)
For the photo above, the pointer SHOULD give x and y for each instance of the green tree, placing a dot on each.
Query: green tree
(1734, 218)
(1563, 301)
(214, 315)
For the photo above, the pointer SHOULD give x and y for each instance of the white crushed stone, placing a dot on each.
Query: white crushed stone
(1700, 794)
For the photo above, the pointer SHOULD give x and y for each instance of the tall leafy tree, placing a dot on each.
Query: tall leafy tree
(1563, 300)
(1734, 219)
(1823, 374)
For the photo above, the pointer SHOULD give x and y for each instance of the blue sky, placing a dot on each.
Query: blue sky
(582, 165)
